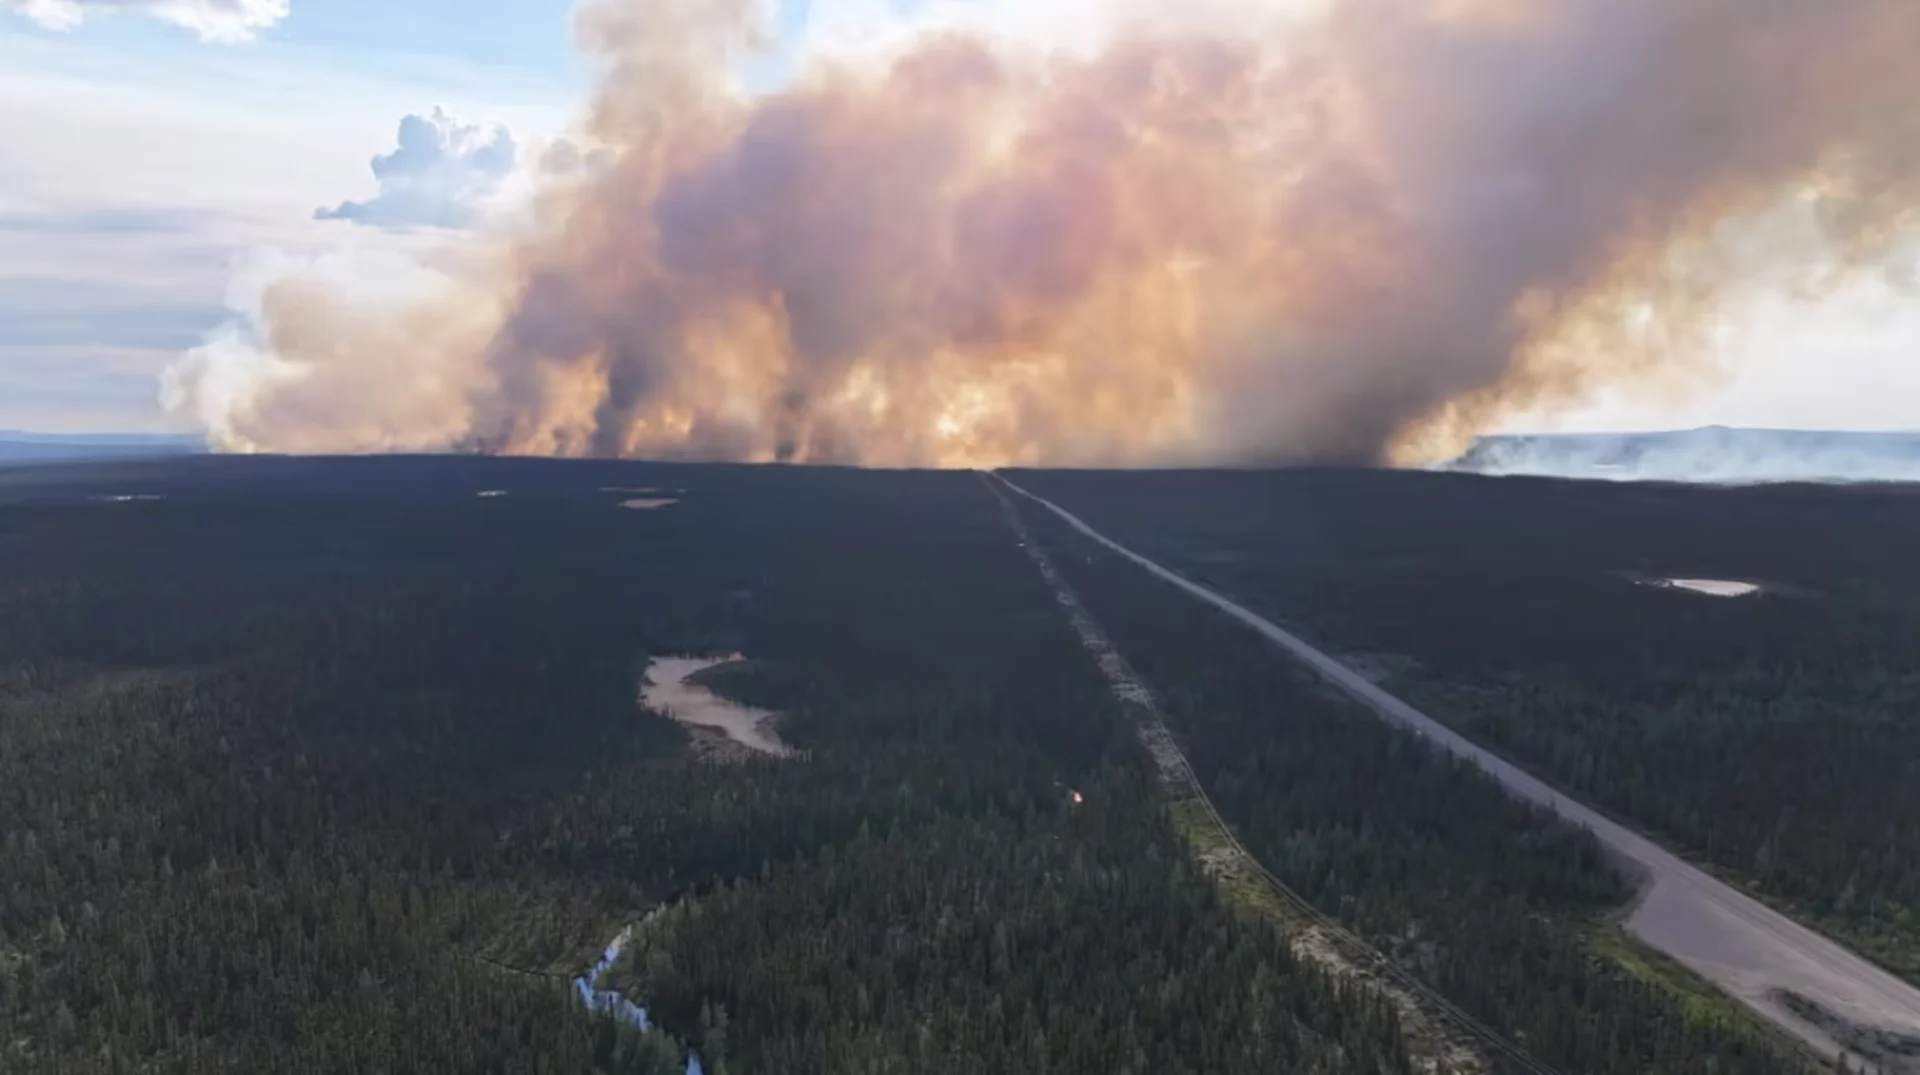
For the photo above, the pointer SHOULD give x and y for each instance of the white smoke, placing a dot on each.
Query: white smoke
(1716, 454)
(241, 359)
(1360, 234)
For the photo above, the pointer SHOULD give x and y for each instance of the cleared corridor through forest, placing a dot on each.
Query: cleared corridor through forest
(1747, 949)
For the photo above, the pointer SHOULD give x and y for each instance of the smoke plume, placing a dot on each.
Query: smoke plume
(1361, 231)
(1715, 455)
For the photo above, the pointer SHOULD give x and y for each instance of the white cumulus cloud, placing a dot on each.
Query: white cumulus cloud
(225, 21)
(440, 176)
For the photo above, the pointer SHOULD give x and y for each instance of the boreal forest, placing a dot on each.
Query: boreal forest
(341, 765)
(1773, 735)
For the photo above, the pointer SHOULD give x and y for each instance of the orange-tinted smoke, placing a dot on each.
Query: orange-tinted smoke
(1348, 240)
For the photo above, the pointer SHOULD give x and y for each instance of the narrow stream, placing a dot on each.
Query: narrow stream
(614, 1003)
(610, 1001)
(665, 689)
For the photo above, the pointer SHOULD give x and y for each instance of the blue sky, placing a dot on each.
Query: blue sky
(146, 164)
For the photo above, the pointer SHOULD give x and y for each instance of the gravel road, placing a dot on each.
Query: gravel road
(1746, 948)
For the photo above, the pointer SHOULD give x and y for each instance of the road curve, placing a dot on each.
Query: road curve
(1749, 950)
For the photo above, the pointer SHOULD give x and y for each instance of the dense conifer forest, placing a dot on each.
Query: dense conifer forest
(1774, 736)
(1494, 904)
(336, 766)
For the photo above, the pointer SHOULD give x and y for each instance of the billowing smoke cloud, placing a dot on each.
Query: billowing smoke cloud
(225, 21)
(438, 176)
(1361, 232)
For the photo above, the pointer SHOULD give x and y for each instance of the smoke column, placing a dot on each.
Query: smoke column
(1357, 231)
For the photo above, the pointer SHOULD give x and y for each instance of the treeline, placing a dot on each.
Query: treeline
(1771, 736)
(333, 766)
(1494, 904)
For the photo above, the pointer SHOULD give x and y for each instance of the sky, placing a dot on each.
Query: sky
(155, 149)
(147, 159)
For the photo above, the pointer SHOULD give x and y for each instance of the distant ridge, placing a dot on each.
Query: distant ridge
(1719, 454)
(23, 447)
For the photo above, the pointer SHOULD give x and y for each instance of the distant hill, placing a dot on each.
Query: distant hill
(1711, 454)
(23, 447)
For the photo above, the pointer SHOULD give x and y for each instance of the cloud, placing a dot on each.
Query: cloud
(103, 279)
(439, 176)
(76, 389)
(105, 324)
(224, 21)
(89, 263)
(115, 220)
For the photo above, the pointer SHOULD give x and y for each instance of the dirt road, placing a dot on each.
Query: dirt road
(1746, 948)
